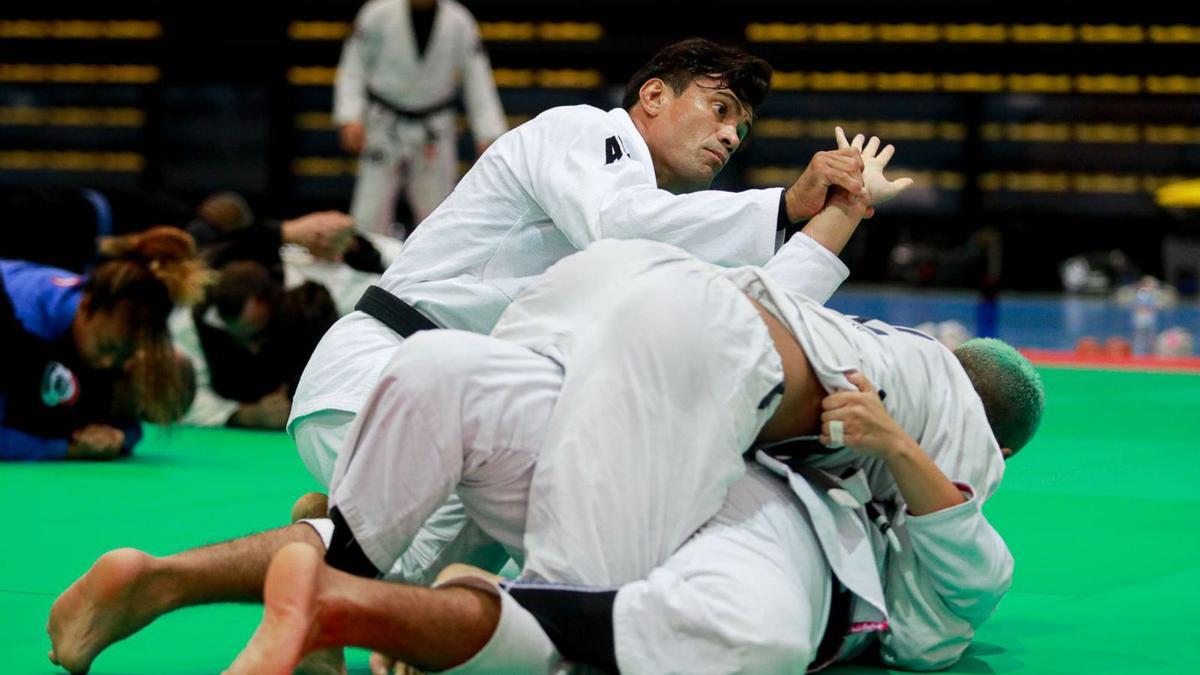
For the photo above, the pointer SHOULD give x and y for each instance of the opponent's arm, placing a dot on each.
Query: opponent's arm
(808, 262)
(868, 429)
(952, 568)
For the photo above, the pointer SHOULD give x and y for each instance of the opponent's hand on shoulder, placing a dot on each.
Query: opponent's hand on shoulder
(867, 427)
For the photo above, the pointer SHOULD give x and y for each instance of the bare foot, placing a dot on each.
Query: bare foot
(103, 606)
(325, 661)
(455, 570)
(330, 661)
(311, 505)
(288, 614)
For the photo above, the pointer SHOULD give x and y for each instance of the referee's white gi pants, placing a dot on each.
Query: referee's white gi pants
(419, 157)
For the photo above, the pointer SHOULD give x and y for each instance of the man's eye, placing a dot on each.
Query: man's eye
(721, 109)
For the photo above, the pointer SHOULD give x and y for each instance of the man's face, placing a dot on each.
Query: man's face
(249, 328)
(696, 133)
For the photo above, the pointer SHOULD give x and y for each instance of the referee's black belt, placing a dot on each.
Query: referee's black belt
(393, 312)
(417, 114)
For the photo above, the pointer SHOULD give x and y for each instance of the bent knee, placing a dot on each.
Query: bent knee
(757, 629)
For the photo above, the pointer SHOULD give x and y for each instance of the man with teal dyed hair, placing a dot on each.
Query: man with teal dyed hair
(1010, 388)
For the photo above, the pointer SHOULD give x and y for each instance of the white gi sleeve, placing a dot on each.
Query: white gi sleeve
(208, 409)
(950, 574)
(480, 97)
(806, 267)
(583, 177)
(350, 85)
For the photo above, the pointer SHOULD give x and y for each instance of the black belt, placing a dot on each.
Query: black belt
(837, 625)
(393, 312)
(409, 113)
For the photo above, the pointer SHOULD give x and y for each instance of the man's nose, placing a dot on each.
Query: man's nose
(729, 137)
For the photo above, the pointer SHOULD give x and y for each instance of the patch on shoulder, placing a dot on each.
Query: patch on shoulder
(60, 386)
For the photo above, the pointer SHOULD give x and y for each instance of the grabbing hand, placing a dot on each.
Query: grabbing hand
(829, 170)
(878, 188)
(865, 425)
(96, 441)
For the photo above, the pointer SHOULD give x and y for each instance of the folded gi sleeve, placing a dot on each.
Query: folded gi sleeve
(583, 175)
(950, 574)
(804, 266)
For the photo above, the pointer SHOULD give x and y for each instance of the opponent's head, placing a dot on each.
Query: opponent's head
(693, 104)
(1012, 391)
(244, 296)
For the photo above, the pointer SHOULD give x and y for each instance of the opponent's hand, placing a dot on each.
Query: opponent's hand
(96, 441)
(867, 428)
(842, 168)
(879, 189)
(352, 137)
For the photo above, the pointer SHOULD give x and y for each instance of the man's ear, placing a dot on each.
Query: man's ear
(652, 96)
(1006, 452)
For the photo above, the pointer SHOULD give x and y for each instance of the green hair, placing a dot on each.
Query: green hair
(1011, 389)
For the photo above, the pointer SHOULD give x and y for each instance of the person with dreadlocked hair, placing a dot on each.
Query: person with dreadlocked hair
(71, 340)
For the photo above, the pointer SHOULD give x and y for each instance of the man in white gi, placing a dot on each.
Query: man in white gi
(785, 574)
(127, 589)
(549, 188)
(397, 81)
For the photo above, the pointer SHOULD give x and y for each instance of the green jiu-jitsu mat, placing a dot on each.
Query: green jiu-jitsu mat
(1101, 513)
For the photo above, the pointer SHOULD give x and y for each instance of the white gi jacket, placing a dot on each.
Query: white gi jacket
(382, 56)
(946, 571)
(541, 192)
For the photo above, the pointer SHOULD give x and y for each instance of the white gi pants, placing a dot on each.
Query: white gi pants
(420, 157)
(453, 412)
(666, 383)
(748, 593)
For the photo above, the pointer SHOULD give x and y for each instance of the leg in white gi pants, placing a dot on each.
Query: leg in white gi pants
(402, 154)
(676, 394)
(749, 593)
(667, 386)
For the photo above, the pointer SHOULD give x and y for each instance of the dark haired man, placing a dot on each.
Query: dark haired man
(248, 345)
(569, 177)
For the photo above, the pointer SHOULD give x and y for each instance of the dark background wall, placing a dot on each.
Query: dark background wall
(1049, 124)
